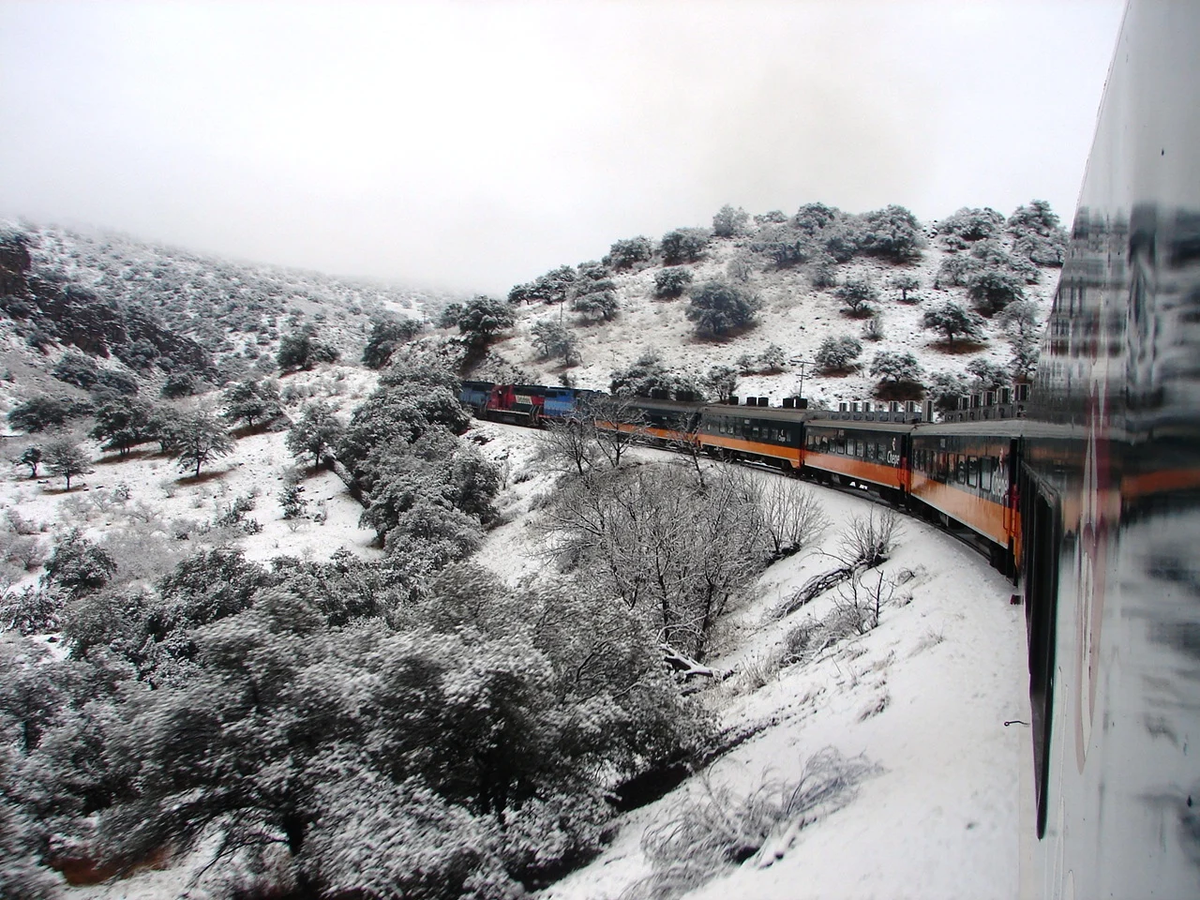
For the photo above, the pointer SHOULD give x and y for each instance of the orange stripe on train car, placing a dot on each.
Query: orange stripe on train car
(776, 451)
(853, 467)
(988, 517)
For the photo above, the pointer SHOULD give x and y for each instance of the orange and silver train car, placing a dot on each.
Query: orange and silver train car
(1109, 493)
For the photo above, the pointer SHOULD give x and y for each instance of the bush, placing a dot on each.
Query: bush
(783, 245)
(993, 289)
(628, 253)
(480, 320)
(896, 367)
(386, 335)
(252, 400)
(837, 355)
(78, 566)
(554, 340)
(315, 433)
(730, 222)
(857, 296)
(892, 232)
(954, 321)
(988, 375)
(873, 328)
(718, 829)
(946, 389)
(905, 283)
(683, 245)
(40, 413)
(972, 224)
(718, 309)
(77, 369)
(302, 351)
(597, 304)
(671, 282)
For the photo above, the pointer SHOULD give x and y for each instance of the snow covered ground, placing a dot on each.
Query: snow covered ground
(924, 697)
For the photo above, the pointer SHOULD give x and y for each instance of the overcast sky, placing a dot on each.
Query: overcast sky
(474, 145)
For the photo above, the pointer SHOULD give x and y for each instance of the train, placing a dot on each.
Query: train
(1090, 502)
(962, 474)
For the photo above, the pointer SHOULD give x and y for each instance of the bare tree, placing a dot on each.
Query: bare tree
(569, 445)
(868, 540)
(615, 424)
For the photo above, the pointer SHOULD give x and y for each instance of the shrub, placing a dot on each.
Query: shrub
(598, 303)
(718, 308)
(722, 381)
(703, 835)
(386, 335)
(857, 296)
(671, 282)
(77, 369)
(32, 457)
(64, 457)
(972, 224)
(993, 289)
(78, 566)
(252, 400)
(905, 283)
(197, 439)
(892, 232)
(896, 367)
(868, 540)
(730, 222)
(554, 340)
(988, 375)
(683, 245)
(772, 360)
(302, 351)
(121, 425)
(837, 354)
(783, 245)
(954, 321)
(647, 374)
(628, 253)
(315, 433)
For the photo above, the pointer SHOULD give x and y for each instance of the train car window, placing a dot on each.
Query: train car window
(986, 465)
(960, 469)
(973, 471)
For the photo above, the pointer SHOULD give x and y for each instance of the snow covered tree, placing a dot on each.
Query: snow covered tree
(722, 381)
(837, 355)
(626, 254)
(671, 282)
(554, 340)
(316, 433)
(988, 375)
(892, 232)
(683, 245)
(198, 439)
(32, 457)
(896, 367)
(730, 222)
(387, 333)
(302, 351)
(598, 303)
(992, 289)
(78, 566)
(945, 389)
(772, 360)
(954, 321)
(252, 400)
(65, 458)
(857, 296)
(969, 225)
(718, 309)
(122, 424)
(483, 318)
(905, 283)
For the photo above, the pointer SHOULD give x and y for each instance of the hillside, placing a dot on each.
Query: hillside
(147, 312)
(782, 263)
(430, 672)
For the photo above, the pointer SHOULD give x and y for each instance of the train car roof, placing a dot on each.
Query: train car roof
(857, 425)
(985, 428)
(758, 412)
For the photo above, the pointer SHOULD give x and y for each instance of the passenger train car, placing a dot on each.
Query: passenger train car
(1091, 503)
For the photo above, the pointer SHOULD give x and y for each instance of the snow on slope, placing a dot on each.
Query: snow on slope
(924, 697)
(794, 316)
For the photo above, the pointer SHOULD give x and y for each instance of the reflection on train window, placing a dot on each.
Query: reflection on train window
(960, 469)
(987, 464)
(973, 471)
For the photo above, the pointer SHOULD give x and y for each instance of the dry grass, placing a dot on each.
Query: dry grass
(703, 835)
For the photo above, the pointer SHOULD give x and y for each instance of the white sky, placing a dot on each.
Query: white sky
(477, 144)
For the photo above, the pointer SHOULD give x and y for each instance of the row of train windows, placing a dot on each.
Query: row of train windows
(983, 472)
(886, 452)
(755, 431)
